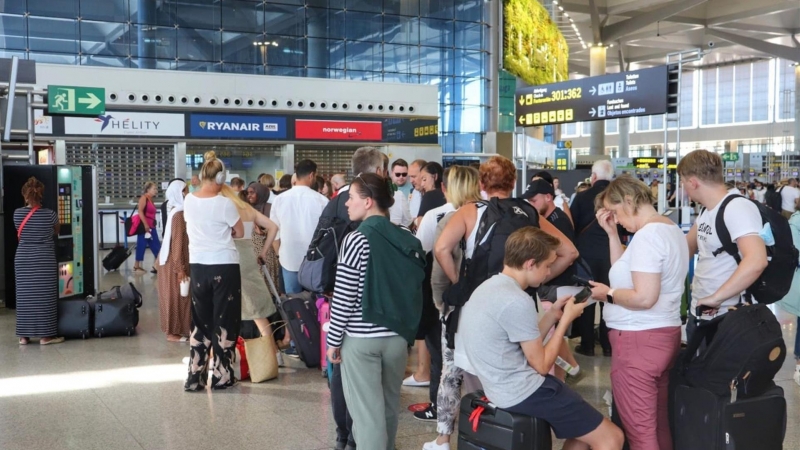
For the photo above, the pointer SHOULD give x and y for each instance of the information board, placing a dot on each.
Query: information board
(635, 93)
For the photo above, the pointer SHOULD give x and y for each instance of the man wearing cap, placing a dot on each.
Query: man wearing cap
(563, 205)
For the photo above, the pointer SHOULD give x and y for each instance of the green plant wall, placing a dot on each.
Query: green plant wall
(533, 47)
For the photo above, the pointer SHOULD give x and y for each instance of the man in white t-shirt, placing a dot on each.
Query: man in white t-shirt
(790, 197)
(718, 280)
(296, 212)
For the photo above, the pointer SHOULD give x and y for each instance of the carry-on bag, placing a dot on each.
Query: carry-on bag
(703, 420)
(262, 358)
(116, 311)
(75, 318)
(300, 313)
(116, 257)
(483, 426)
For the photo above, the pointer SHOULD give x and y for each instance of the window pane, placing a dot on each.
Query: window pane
(53, 35)
(325, 23)
(401, 30)
(761, 92)
(200, 14)
(318, 52)
(656, 122)
(110, 11)
(390, 77)
(469, 91)
(786, 85)
(54, 58)
(364, 26)
(468, 63)
(402, 7)
(285, 71)
(709, 96)
(725, 95)
(643, 123)
(153, 13)
(363, 56)
(199, 66)
(246, 48)
(471, 10)
(49, 8)
(687, 98)
(569, 130)
(105, 61)
(364, 76)
(468, 35)
(742, 100)
(436, 33)
(105, 38)
(290, 51)
(436, 61)
(239, 15)
(612, 126)
(442, 9)
(587, 128)
(364, 5)
(284, 19)
(13, 32)
(199, 45)
(150, 63)
(400, 58)
(148, 41)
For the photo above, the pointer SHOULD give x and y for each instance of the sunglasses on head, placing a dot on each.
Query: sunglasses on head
(401, 174)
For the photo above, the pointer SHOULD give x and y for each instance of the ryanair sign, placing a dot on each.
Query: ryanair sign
(237, 126)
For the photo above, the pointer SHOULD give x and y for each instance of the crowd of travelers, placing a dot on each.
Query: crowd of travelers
(401, 284)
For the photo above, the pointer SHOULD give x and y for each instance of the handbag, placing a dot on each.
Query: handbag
(134, 227)
(25, 220)
(262, 358)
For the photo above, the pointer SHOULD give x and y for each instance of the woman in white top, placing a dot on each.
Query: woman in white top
(643, 310)
(212, 223)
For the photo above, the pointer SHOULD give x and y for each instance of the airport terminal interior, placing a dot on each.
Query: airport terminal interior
(109, 95)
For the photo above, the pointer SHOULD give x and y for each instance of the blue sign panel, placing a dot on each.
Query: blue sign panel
(242, 127)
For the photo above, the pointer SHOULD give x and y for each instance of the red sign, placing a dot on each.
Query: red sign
(338, 130)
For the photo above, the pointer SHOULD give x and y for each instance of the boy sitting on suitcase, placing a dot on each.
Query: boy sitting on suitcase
(499, 333)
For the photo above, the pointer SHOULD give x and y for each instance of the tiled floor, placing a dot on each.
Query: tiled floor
(126, 393)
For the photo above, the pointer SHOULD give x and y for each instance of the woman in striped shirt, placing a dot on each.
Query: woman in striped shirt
(375, 311)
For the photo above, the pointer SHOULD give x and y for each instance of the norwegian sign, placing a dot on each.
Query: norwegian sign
(76, 100)
(120, 123)
(338, 130)
(636, 93)
(242, 127)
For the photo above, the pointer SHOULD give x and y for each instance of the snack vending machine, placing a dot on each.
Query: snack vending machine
(70, 191)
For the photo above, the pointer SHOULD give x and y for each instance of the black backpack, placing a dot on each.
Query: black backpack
(773, 200)
(501, 218)
(745, 350)
(776, 279)
(317, 272)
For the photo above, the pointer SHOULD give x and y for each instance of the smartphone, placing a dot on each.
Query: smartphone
(583, 295)
(580, 281)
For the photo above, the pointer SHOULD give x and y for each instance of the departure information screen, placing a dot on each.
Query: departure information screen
(635, 93)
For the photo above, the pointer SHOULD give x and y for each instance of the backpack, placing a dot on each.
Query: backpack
(791, 303)
(773, 200)
(317, 272)
(501, 218)
(745, 350)
(774, 282)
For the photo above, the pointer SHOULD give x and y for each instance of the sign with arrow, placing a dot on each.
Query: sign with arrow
(635, 93)
(76, 100)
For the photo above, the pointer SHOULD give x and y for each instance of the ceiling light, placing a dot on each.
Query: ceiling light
(600, 44)
(611, 45)
(566, 14)
(572, 21)
(561, 8)
(555, 2)
(590, 44)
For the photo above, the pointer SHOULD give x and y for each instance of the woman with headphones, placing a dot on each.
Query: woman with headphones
(212, 223)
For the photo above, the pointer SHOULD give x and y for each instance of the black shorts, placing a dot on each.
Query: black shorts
(567, 413)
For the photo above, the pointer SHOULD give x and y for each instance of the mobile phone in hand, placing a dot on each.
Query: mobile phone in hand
(580, 281)
(583, 295)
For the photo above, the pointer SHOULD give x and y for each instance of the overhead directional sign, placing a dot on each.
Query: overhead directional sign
(730, 156)
(76, 100)
(636, 93)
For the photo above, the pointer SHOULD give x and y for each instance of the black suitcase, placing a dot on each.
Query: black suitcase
(116, 257)
(300, 313)
(75, 318)
(116, 312)
(498, 429)
(705, 421)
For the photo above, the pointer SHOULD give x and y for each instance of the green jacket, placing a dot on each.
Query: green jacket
(392, 295)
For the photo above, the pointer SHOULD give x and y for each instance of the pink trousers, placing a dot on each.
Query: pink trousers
(640, 368)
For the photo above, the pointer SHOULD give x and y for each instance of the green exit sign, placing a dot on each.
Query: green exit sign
(77, 100)
(730, 156)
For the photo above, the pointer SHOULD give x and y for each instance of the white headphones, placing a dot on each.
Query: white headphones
(220, 177)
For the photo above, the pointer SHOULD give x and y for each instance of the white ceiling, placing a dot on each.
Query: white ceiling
(633, 26)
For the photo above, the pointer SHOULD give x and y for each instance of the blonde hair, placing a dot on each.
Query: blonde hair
(267, 180)
(147, 186)
(706, 166)
(462, 185)
(228, 192)
(211, 167)
(625, 187)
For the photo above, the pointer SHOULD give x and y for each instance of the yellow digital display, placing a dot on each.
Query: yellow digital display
(547, 117)
(426, 131)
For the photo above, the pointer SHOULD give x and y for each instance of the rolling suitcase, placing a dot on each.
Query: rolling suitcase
(482, 426)
(705, 421)
(75, 318)
(116, 312)
(300, 313)
(116, 257)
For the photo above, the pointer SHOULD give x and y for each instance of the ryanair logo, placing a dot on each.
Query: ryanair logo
(238, 126)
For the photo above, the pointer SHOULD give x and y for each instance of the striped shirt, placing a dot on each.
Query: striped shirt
(346, 312)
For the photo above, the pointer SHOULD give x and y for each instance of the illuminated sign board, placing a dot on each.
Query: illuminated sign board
(654, 163)
(636, 93)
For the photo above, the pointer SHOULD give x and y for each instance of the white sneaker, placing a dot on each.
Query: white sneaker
(279, 355)
(797, 376)
(432, 445)
(411, 381)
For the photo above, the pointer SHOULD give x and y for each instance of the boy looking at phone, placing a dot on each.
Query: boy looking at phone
(502, 342)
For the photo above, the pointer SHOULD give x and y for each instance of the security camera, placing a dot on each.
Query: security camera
(711, 44)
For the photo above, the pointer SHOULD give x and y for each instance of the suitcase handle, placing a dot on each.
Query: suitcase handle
(271, 284)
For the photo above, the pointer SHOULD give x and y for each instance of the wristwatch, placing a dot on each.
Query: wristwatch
(610, 296)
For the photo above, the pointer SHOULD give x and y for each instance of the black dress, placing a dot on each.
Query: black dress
(36, 274)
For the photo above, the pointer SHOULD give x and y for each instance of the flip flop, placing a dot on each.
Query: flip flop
(24, 341)
(56, 340)
(184, 339)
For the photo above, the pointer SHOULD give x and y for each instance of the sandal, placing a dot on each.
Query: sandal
(153, 270)
(55, 340)
(138, 268)
(24, 341)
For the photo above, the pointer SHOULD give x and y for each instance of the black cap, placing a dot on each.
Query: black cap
(538, 187)
(543, 174)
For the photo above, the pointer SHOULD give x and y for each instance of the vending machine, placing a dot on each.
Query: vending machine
(70, 191)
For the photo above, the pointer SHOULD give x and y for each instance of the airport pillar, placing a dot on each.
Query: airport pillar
(597, 66)
(146, 38)
(796, 107)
